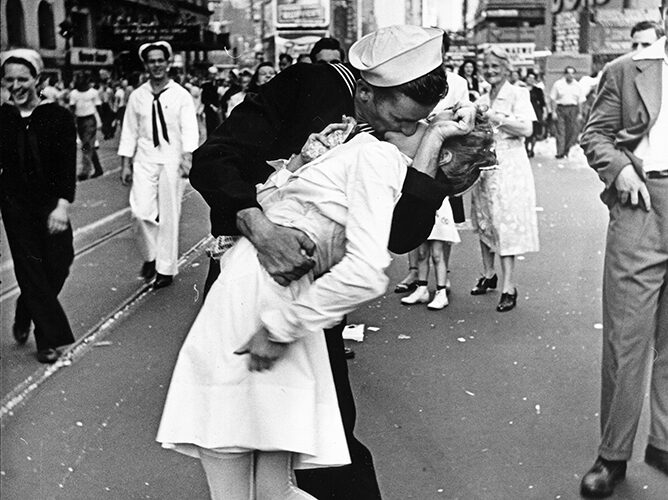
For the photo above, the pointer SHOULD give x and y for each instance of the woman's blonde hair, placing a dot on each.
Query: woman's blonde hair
(500, 53)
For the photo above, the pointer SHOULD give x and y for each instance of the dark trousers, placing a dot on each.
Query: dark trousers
(87, 130)
(108, 117)
(41, 265)
(356, 481)
(568, 128)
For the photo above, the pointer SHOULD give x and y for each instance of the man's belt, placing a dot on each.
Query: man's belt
(566, 105)
(657, 174)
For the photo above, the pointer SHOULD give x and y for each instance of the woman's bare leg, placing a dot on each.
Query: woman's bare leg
(274, 477)
(230, 475)
(507, 270)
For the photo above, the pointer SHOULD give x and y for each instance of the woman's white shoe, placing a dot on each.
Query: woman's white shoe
(419, 296)
(440, 300)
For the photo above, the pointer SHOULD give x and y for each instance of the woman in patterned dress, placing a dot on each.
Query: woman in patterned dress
(503, 204)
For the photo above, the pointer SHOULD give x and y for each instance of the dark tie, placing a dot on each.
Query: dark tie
(163, 125)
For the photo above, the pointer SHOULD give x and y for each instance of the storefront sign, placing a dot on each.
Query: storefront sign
(83, 56)
(136, 33)
(302, 13)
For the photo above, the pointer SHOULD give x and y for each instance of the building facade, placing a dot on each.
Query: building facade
(94, 34)
(601, 28)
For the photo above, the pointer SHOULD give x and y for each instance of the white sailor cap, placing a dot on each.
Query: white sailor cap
(397, 54)
(159, 45)
(29, 56)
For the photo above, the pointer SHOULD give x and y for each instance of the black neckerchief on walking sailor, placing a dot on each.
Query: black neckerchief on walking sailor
(351, 84)
(154, 124)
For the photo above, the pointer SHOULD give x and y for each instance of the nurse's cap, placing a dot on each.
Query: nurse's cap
(397, 54)
(165, 47)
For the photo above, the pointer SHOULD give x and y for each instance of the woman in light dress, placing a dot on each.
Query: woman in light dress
(444, 234)
(252, 421)
(503, 208)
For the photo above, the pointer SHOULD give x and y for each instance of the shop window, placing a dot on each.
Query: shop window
(16, 33)
(47, 29)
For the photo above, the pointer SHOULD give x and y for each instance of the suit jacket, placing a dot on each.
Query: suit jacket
(626, 106)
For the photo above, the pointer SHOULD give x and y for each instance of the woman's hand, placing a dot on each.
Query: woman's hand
(332, 135)
(58, 219)
(263, 352)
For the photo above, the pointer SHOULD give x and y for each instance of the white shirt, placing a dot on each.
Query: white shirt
(344, 202)
(137, 133)
(653, 147)
(566, 94)
(458, 93)
(85, 102)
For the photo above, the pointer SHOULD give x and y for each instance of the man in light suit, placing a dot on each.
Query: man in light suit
(625, 142)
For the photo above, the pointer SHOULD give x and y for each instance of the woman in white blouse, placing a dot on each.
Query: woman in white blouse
(280, 411)
(84, 102)
(503, 208)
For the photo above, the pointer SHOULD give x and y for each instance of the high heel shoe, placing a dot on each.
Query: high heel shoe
(484, 284)
(508, 301)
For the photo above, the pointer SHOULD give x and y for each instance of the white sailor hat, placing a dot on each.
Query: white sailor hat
(159, 45)
(397, 54)
(29, 56)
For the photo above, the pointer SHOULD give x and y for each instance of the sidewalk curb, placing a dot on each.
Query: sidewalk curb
(19, 394)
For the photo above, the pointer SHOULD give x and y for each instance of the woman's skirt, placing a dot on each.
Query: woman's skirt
(503, 204)
(214, 401)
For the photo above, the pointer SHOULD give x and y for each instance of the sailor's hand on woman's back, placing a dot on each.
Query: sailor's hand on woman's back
(284, 252)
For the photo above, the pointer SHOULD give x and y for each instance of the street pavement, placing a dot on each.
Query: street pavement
(463, 403)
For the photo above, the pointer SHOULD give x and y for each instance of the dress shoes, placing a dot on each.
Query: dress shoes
(405, 287)
(348, 353)
(148, 270)
(419, 296)
(20, 333)
(657, 458)
(601, 479)
(484, 284)
(162, 280)
(440, 300)
(48, 356)
(508, 301)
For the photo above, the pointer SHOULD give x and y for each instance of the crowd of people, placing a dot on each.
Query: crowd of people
(314, 172)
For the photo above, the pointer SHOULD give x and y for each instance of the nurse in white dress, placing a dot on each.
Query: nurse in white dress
(251, 427)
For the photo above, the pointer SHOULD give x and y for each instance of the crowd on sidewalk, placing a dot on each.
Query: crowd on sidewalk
(314, 172)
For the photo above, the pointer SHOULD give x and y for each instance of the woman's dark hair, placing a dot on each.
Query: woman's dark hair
(253, 86)
(464, 63)
(470, 153)
(426, 90)
(82, 82)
